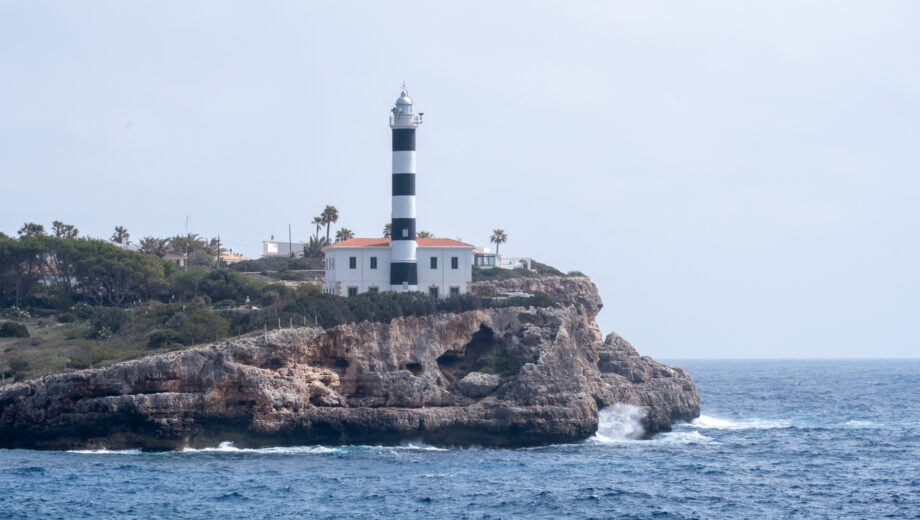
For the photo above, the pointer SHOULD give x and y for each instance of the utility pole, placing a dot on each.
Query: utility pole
(218, 251)
(188, 217)
(290, 241)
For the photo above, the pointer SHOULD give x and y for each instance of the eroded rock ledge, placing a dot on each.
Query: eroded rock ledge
(539, 376)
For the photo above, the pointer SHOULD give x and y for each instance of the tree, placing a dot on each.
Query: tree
(498, 238)
(388, 230)
(106, 274)
(344, 234)
(154, 246)
(181, 244)
(200, 258)
(62, 230)
(318, 222)
(21, 264)
(31, 229)
(424, 234)
(121, 235)
(315, 247)
(330, 216)
(212, 247)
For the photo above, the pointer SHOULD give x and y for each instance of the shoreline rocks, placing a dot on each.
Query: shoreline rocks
(495, 377)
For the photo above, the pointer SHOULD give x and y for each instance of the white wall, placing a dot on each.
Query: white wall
(443, 277)
(339, 277)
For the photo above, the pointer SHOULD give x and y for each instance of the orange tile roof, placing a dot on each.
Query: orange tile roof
(383, 242)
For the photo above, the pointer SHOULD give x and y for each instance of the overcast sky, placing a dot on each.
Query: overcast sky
(740, 179)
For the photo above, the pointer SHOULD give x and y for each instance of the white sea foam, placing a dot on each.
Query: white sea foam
(706, 422)
(683, 437)
(860, 424)
(228, 447)
(418, 447)
(619, 423)
(104, 451)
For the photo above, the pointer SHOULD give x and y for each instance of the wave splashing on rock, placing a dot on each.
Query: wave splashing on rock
(618, 423)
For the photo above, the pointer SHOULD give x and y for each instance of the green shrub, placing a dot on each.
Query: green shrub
(201, 326)
(223, 284)
(66, 317)
(276, 294)
(10, 329)
(545, 270)
(106, 321)
(82, 311)
(291, 276)
(19, 368)
(164, 338)
(497, 273)
(273, 263)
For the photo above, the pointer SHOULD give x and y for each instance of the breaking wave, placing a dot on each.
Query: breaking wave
(619, 423)
(683, 437)
(228, 447)
(705, 422)
(104, 451)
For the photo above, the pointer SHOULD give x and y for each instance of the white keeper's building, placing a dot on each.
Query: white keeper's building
(440, 267)
(363, 264)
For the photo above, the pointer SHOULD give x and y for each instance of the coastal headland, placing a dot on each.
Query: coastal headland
(505, 376)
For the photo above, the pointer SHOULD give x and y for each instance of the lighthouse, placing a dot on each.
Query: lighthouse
(403, 246)
(438, 267)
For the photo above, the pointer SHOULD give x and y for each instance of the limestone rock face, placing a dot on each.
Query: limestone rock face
(477, 384)
(575, 290)
(500, 377)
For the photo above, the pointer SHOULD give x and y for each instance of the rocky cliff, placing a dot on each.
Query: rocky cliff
(501, 377)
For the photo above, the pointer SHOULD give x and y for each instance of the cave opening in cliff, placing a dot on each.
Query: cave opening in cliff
(484, 353)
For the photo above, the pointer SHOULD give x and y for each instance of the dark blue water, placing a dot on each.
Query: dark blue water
(778, 439)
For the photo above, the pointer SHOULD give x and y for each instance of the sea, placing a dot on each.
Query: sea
(776, 439)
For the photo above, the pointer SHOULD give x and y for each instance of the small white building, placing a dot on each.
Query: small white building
(279, 248)
(363, 264)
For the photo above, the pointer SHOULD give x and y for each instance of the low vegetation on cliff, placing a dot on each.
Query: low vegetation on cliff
(78, 303)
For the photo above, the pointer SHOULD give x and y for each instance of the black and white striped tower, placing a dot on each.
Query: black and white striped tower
(403, 266)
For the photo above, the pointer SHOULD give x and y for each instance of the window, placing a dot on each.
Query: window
(352, 291)
(434, 262)
(405, 232)
(433, 292)
(352, 262)
(455, 291)
(374, 290)
(373, 262)
(455, 262)
(485, 260)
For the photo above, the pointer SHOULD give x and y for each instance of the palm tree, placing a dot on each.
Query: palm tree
(388, 230)
(31, 229)
(315, 247)
(62, 230)
(121, 235)
(213, 248)
(498, 237)
(154, 246)
(318, 222)
(330, 216)
(344, 234)
(182, 244)
(424, 234)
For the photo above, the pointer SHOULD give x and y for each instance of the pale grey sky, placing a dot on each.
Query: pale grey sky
(740, 179)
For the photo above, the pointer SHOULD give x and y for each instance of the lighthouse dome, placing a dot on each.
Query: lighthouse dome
(404, 98)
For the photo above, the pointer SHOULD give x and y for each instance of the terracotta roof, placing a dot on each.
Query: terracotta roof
(383, 242)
